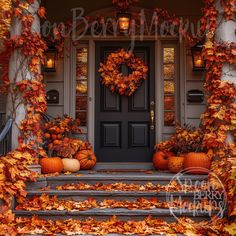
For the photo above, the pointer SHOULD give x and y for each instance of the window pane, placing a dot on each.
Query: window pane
(82, 63)
(169, 118)
(169, 55)
(81, 106)
(83, 117)
(81, 71)
(169, 103)
(169, 71)
(169, 87)
(82, 87)
(81, 103)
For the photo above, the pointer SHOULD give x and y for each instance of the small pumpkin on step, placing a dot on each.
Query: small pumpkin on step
(51, 165)
(87, 159)
(160, 159)
(71, 165)
(176, 164)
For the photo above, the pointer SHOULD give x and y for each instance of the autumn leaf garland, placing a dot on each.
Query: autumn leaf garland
(31, 93)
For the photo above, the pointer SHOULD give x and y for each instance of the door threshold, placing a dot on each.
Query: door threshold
(124, 166)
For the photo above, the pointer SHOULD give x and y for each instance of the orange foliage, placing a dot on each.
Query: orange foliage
(14, 174)
(115, 80)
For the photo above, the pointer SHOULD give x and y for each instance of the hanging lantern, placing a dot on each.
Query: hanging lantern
(50, 60)
(124, 19)
(198, 60)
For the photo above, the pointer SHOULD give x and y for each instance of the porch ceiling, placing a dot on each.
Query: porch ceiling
(60, 11)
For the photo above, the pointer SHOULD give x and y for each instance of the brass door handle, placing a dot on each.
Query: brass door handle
(152, 116)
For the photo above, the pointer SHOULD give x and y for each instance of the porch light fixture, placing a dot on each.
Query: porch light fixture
(50, 60)
(124, 19)
(198, 60)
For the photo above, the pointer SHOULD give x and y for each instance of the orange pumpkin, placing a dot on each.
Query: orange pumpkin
(87, 159)
(51, 165)
(160, 160)
(197, 163)
(176, 164)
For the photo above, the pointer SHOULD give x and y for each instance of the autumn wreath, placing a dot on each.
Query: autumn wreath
(112, 77)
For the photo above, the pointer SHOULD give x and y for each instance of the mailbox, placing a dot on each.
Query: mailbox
(195, 96)
(53, 97)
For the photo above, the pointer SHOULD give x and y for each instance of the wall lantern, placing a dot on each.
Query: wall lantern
(198, 60)
(50, 60)
(124, 22)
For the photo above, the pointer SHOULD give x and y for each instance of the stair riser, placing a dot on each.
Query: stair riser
(36, 185)
(117, 198)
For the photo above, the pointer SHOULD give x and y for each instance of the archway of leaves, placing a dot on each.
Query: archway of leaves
(218, 120)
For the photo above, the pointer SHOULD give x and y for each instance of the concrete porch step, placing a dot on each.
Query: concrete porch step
(116, 195)
(124, 166)
(93, 177)
(122, 214)
(136, 176)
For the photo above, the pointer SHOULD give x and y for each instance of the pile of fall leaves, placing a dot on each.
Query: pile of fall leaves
(14, 174)
(47, 203)
(173, 186)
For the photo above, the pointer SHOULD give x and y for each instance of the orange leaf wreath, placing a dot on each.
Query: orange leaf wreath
(115, 80)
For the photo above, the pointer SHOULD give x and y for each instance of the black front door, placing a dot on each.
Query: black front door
(123, 131)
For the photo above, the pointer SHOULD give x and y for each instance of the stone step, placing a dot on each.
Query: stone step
(81, 195)
(93, 177)
(124, 166)
(122, 214)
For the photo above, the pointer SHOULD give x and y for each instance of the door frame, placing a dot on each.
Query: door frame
(69, 74)
(91, 93)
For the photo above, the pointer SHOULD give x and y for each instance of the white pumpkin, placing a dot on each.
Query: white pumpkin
(71, 165)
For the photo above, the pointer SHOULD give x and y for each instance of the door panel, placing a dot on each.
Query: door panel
(111, 134)
(138, 135)
(110, 102)
(140, 100)
(122, 124)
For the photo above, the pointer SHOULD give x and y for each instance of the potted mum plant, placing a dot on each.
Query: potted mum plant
(62, 147)
(186, 143)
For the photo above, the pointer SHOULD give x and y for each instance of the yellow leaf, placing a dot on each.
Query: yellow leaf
(231, 229)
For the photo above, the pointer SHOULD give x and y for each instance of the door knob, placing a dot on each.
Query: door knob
(152, 116)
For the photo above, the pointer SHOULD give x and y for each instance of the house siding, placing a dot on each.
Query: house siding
(55, 81)
(194, 80)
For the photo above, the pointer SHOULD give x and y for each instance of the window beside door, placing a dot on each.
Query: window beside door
(81, 105)
(170, 80)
